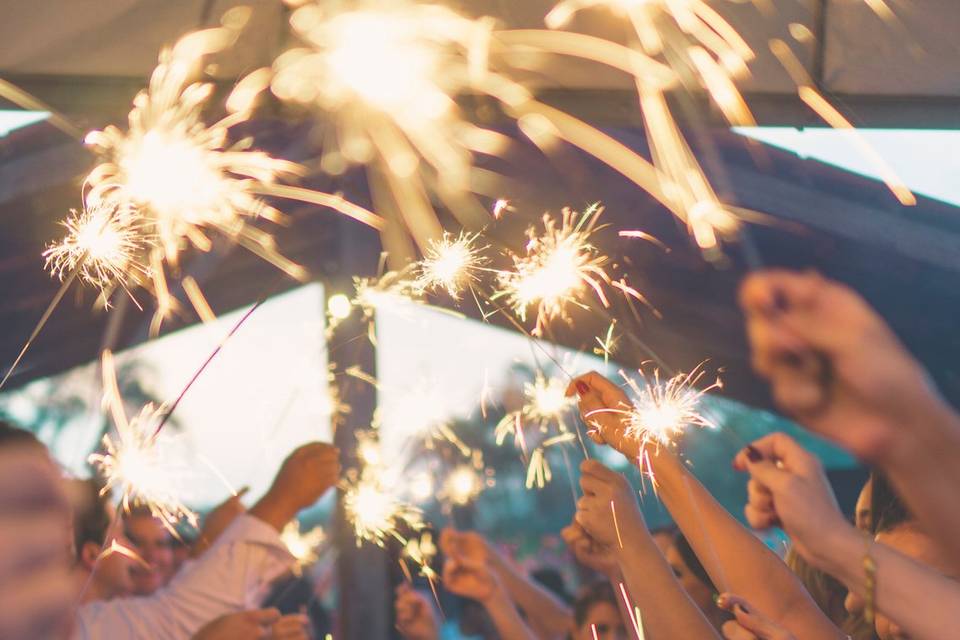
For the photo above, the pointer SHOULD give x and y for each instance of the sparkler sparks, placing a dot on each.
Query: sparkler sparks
(556, 269)
(451, 264)
(462, 485)
(376, 513)
(103, 242)
(545, 404)
(138, 460)
(302, 545)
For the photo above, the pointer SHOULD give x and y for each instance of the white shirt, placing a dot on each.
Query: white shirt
(233, 575)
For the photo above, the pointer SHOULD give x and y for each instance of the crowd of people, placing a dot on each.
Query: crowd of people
(833, 365)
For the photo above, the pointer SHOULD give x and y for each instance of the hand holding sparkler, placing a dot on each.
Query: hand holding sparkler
(788, 487)
(416, 617)
(834, 364)
(306, 474)
(253, 625)
(608, 508)
(749, 624)
(589, 552)
(604, 407)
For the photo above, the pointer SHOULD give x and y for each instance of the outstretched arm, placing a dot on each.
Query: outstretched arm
(867, 393)
(788, 487)
(733, 557)
(608, 512)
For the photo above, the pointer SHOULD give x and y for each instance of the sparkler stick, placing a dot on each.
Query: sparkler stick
(42, 322)
(25, 100)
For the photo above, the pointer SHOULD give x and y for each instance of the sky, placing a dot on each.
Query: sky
(923, 158)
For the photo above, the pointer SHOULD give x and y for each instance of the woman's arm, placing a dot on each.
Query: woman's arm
(608, 512)
(733, 557)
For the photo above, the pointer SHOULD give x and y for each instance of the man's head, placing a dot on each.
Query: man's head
(154, 543)
(691, 575)
(596, 614)
(92, 524)
(863, 511)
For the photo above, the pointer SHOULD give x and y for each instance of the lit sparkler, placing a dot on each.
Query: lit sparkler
(137, 459)
(462, 485)
(186, 178)
(302, 545)
(556, 269)
(103, 242)
(539, 472)
(376, 513)
(422, 551)
(451, 264)
(545, 404)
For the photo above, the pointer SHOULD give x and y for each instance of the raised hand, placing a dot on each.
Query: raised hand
(608, 507)
(589, 552)
(789, 487)
(308, 473)
(416, 618)
(832, 362)
(603, 405)
(748, 623)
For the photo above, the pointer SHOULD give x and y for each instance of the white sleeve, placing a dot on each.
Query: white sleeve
(231, 576)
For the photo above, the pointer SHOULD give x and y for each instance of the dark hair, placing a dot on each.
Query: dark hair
(91, 521)
(692, 561)
(887, 509)
(595, 593)
(11, 435)
(552, 580)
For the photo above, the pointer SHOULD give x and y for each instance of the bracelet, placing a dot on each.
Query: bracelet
(870, 581)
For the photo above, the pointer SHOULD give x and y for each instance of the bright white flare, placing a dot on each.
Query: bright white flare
(302, 545)
(451, 264)
(556, 269)
(103, 242)
(376, 513)
(462, 485)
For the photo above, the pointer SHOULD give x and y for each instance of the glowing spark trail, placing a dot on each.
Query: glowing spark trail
(556, 269)
(185, 178)
(103, 242)
(138, 461)
(545, 404)
(451, 264)
(377, 514)
(302, 545)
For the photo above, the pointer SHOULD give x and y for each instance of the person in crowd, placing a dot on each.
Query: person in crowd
(103, 568)
(467, 572)
(904, 575)
(835, 366)
(732, 556)
(154, 544)
(36, 590)
(257, 624)
(545, 612)
(230, 576)
(415, 614)
(596, 614)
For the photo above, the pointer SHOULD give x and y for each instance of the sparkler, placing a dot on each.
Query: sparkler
(102, 242)
(184, 177)
(376, 513)
(556, 269)
(539, 472)
(302, 545)
(545, 404)
(422, 551)
(462, 485)
(451, 264)
(138, 461)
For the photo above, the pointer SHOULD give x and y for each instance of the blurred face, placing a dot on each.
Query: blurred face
(699, 592)
(863, 518)
(603, 623)
(113, 573)
(154, 544)
(910, 541)
(663, 540)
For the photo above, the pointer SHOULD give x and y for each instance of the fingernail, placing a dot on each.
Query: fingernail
(753, 454)
(743, 608)
(582, 387)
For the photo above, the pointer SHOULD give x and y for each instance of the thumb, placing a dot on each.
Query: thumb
(768, 474)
